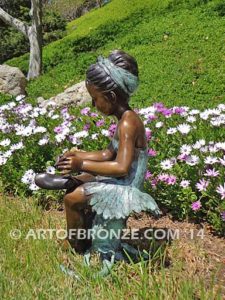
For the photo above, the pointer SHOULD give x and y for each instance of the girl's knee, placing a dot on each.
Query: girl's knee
(75, 199)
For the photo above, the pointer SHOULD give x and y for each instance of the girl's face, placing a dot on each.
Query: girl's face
(100, 101)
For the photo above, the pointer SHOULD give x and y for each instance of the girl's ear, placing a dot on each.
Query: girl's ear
(113, 97)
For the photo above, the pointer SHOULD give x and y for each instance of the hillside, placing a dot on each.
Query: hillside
(179, 46)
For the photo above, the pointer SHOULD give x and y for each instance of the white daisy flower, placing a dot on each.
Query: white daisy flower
(191, 119)
(185, 183)
(192, 160)
(210, 160)
(171, 130)
(194, 112)
(105, 132)
(94, 136)
(166, 164)
(5, 142)
(159, 124)
(20, 97)
(50, 170)
(43, 141)
(33, 187)
(186, 149)
(184, 128)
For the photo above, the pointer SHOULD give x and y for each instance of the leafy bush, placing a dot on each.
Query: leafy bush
(179, 52)
(13, 43)
(186, 152)
(53, 26)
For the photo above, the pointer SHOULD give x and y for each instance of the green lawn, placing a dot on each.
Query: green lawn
(29, 268)
(179, 46)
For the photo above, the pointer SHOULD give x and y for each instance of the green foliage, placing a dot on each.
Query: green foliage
(53, 26)
(179, 51)
(13, 43)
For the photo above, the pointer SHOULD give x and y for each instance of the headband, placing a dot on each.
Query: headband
(123, 78)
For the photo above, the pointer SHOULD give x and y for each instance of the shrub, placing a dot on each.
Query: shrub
(186, 152)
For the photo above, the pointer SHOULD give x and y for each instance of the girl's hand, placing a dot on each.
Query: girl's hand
(71, 152)
(69, 164)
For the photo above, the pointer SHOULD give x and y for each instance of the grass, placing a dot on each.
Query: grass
(29, 268)
(179, 49)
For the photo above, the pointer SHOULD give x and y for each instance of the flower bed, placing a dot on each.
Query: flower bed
(186, 152)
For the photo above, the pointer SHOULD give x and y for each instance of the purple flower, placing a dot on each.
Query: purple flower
(93, 114)
(211, 173)
(159, 106)
(148, 133)
(163, 177)
(85, 111)
(87, 126)
(152, 117)
(112, 129)
(148, 175)
(64, 110)
(196, 205)
(100, 123)
(182, 157)
(167, 112)
(171, 180)
(58, 129)
(221, 190)
(223, 215)
(151, 152)
(179, 110)
(154, 182)
(202, 185)
(185, 183)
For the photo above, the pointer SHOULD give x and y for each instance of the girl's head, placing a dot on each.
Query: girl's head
(112, 80)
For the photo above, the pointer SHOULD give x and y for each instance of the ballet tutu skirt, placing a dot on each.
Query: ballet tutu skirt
(117, 198)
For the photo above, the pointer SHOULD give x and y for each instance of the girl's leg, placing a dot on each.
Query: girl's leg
(75, 202)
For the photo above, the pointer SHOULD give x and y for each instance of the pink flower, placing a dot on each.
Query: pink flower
(182, 157)
(223, 215)
(163, 177)
(148, 175)
(112, 129)
(171, 180)
(154, 182)
(211, 173)
(152, 152)
(202, 185)
(196, 205)
(87, 126)
(221, 190)
(85, 111)
(148, 134)
(58, 129)
(179, 110)
(159, 106)
(167, 112)
(152, 117)
(64, 110)
(100, 123)
(93, 114)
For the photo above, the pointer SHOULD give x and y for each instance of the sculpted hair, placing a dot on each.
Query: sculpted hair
(97, 76)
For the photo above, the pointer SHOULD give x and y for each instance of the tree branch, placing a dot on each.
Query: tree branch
(16, 23)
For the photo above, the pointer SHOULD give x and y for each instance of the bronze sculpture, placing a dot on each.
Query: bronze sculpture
(111, 181)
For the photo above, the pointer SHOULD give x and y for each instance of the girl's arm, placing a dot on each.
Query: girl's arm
(118, 167)
(102, 155)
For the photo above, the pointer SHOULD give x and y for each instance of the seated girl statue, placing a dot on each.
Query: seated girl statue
(111, 180)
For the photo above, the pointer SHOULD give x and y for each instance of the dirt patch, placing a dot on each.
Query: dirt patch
(193, 251)
(200, 252)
